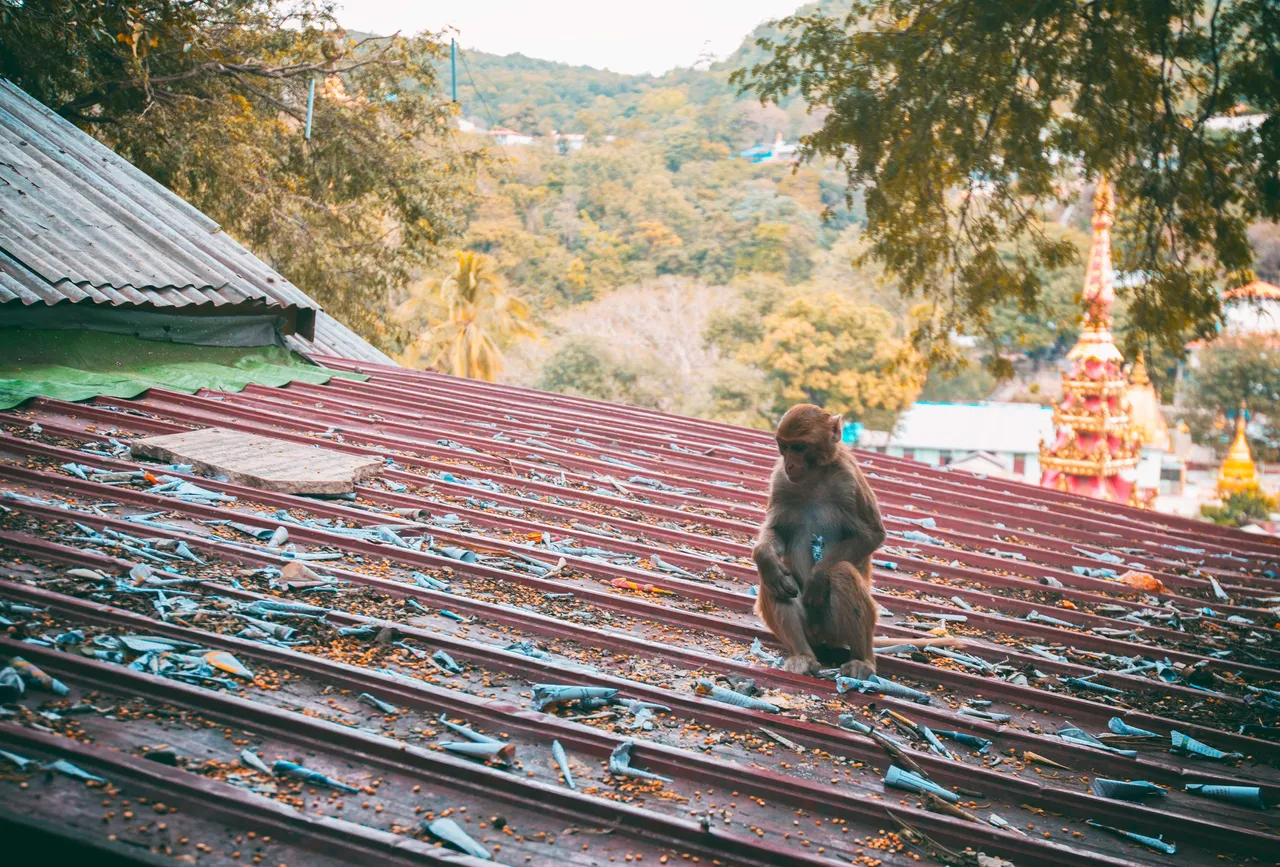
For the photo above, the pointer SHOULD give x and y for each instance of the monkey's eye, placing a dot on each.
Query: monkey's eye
(798, 448)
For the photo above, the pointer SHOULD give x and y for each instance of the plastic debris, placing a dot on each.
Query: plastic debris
(278, 537)
(1118, 726)
(527, 648)
(620, 764)
(729, 696)
(450, 832)
(881, 686)
(974, 742)
(672, 569)
(1126, 790)
(423, 580)
(562, 759)
(624, 584)
(1004, 825)
(358, 631)
(757, 650)
(374, 701)
(1083, 738)
(16, 760)
(1155, 843)
(1185, 745)
(31, 674)
(1087, 683)
(250, 759)
(1218, 592)
(224, 661)
(1037, 617)
(67, 769)
(468, 733)
(1244, 796)
(985, 715)
(907, 781)
(495, 751)
(446, 662)
(289, 769)
(11, 685)
(549, 694)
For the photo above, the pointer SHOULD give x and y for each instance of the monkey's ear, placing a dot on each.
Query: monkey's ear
(837, 426)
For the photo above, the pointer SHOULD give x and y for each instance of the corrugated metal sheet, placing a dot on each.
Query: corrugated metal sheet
(334, 338)
(535, 538)
(79, 224)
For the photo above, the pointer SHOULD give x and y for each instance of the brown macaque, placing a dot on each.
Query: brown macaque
(817, 491)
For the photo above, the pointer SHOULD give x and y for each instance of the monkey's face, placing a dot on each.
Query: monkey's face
(799, 457)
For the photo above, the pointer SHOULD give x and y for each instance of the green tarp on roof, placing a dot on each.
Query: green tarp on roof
(79, 365)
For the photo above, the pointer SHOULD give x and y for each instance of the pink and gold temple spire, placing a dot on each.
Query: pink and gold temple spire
(1095, 450)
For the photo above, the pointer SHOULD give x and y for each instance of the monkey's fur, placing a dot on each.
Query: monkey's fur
(817, 490)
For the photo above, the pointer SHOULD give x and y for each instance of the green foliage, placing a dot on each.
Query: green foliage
(967, 384)
(960, 120)
(839, 355)
(1240, 508)
(462, 322)
(586, 367)
(570, 228)
(1230, 371)
(209, 98)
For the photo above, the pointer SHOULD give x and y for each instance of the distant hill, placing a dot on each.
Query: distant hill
(538, 96)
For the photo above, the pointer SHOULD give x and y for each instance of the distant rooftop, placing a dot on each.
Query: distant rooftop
(987, 426)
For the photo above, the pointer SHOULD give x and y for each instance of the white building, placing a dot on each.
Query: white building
(507, 137)
(971, 435)
(569, 141)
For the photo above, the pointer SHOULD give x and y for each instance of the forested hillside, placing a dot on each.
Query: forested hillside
(661, 267)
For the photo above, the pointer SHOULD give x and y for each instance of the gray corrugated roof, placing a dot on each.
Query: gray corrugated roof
(334, 338)
(79, 224)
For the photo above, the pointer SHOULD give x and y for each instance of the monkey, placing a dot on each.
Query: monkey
(817, 492)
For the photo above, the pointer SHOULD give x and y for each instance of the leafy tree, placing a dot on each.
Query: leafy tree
(838, 355)
(1240, 508)
(972, 382)
(1229, 371)
(585, 366)
(210, 99)
(959, 120)
(468, 315)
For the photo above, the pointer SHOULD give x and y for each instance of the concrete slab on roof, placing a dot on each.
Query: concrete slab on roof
(262, 462)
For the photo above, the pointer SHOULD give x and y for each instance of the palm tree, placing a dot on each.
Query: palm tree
(467, 314)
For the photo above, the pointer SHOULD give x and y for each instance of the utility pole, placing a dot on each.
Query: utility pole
(311, 104)
(453, 67)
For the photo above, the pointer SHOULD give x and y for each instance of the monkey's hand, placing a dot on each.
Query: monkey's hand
(775, 577)
(778, 580)
(817, 592)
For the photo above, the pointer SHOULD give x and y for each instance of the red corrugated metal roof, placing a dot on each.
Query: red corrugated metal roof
(556, 499)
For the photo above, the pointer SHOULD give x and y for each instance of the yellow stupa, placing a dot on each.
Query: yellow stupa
(1238, 472)
(1144, 408)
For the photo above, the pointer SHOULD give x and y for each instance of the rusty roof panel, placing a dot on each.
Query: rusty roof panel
(535, 538)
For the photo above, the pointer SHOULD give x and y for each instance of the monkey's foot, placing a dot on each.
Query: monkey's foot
(806, 664)
(861, 669)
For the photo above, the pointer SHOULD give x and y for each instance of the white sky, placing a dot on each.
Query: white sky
(635, 37)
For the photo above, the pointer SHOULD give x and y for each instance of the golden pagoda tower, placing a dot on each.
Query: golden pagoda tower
(1096, 450)
(1238, 472)
(1144, 408)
